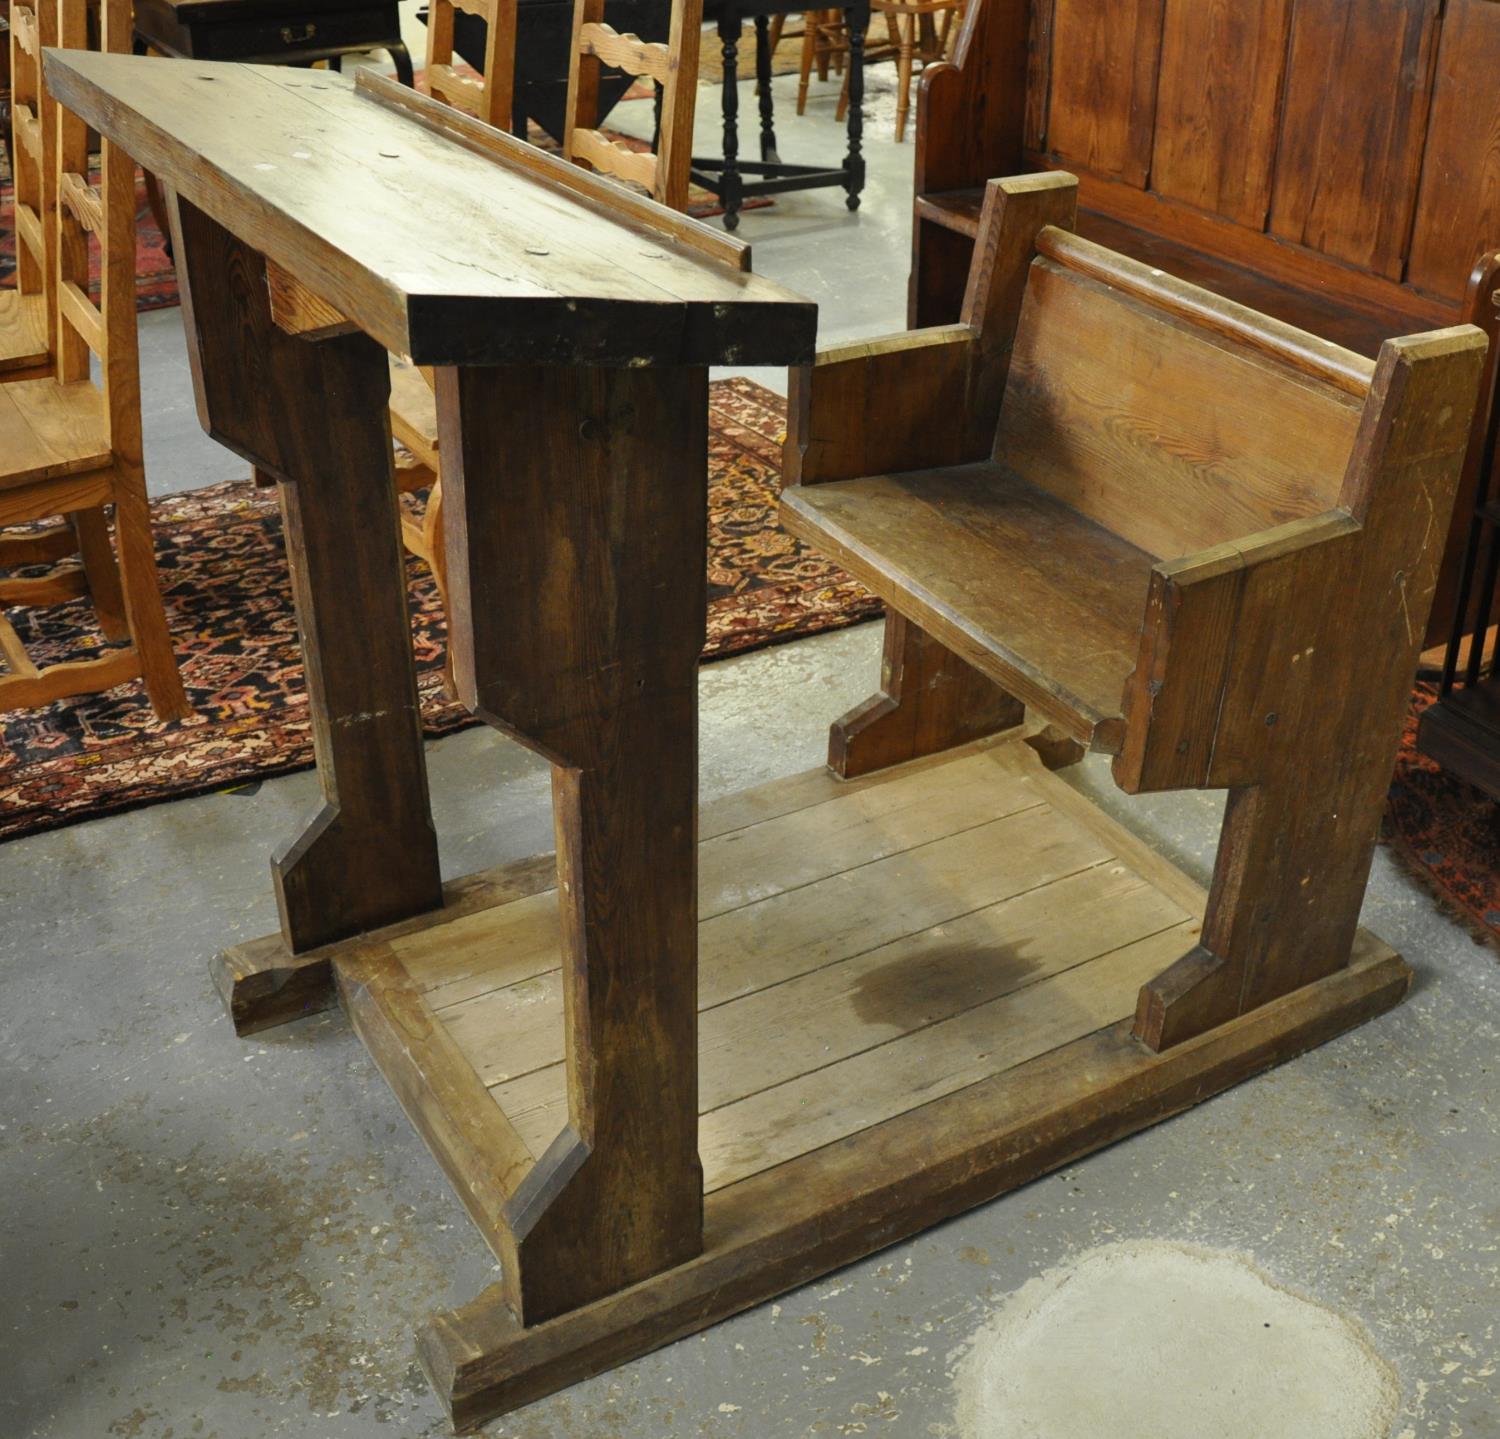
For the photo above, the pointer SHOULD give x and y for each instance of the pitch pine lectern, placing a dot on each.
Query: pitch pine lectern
(694, 1059)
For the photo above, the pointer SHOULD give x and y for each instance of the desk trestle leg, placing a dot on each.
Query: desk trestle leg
(577, 510)
(312, 412)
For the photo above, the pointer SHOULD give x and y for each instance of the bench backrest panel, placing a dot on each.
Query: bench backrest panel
(1173, 437)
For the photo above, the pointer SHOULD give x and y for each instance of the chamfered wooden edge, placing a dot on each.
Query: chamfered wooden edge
(263, 983)
(790, 1224)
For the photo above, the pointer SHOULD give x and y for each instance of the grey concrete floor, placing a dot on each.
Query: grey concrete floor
(227, 1239)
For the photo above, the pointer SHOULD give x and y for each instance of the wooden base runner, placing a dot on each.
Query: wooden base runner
(916, 993)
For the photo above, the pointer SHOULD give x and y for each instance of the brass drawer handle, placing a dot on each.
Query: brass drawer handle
(295, 36)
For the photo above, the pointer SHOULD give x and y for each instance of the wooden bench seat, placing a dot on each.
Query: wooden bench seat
(1182, 532)
(23, 332)
(49, 429)
(1325, 163)
(997, 570)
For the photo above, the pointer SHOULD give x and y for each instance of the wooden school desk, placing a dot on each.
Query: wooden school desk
(915, 988)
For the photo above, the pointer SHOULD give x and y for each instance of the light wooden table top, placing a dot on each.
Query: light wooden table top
(446, 242)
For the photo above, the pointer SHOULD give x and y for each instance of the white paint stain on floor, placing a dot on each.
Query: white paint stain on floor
(1168, 1341)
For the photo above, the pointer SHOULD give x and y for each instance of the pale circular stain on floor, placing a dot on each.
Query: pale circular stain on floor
(1169, 1341)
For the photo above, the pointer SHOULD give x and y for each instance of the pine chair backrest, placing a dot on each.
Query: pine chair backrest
(673, 67)
(489, 96)
(33, 24)
(108, 213)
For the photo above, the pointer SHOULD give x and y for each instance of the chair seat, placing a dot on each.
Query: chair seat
(1047, 603)
(23, 331)
(48, 429)
(414, 411)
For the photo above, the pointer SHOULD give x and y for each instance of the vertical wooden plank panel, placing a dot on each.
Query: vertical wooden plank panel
(1359, 74)
(1218, 105)
(1104, 85)
(1038, 73)
(1458, 206)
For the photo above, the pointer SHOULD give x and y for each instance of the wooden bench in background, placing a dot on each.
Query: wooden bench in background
(1190, 536)
(1326, 162)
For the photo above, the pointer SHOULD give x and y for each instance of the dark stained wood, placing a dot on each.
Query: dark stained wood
(930, 700)
(1217, 105)
(313, 414)
(538, 279)
(1103, 96)
(1333, 163)
(1057, 625)
(574, 636)
(1249, 514)
(1311, 705)
(788, 1225)
(1350, 153)
(1458, 205)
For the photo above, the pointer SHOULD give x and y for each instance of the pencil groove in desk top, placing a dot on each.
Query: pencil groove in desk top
(439, 253)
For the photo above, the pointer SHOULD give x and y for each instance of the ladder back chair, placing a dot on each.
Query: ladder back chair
(672, 67)
(27, 322)
(488, 96)
(68, 447)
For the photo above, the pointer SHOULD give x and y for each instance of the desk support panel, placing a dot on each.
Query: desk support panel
(577, 521)
(313, 414)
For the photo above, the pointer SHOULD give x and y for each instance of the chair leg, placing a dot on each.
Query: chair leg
(92, 531)
(809, 53)
(905, 27)
(143, 602)
(437, 560)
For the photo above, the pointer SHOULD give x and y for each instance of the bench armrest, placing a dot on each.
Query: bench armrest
(971, 110)
(881, 406)
(1209, 616)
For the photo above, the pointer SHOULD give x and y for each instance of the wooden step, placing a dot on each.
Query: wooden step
(1046, 602)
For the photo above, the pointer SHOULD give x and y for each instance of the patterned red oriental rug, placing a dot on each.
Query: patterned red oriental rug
(1445, 831)
(229, 607)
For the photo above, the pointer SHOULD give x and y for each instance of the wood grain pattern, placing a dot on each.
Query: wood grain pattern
(664, 170)
(583, 643)
(1132, 429)
(1150, 394)
(1059, 631)
(310, 160)
(1011, 1060)
(481, 1154)
(1350, 154)
(1104, 81)
(1458, 204)
(1217, 105)
(1311, 708)
(68, 445)
(369, 857)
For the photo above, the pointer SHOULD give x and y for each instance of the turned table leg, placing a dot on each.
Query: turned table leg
(313, 414)
(576, 525)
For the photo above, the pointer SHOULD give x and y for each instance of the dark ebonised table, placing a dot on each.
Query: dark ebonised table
(771, 174)
(273, 32)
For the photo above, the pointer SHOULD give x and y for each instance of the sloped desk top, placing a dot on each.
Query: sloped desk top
(450, 244)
